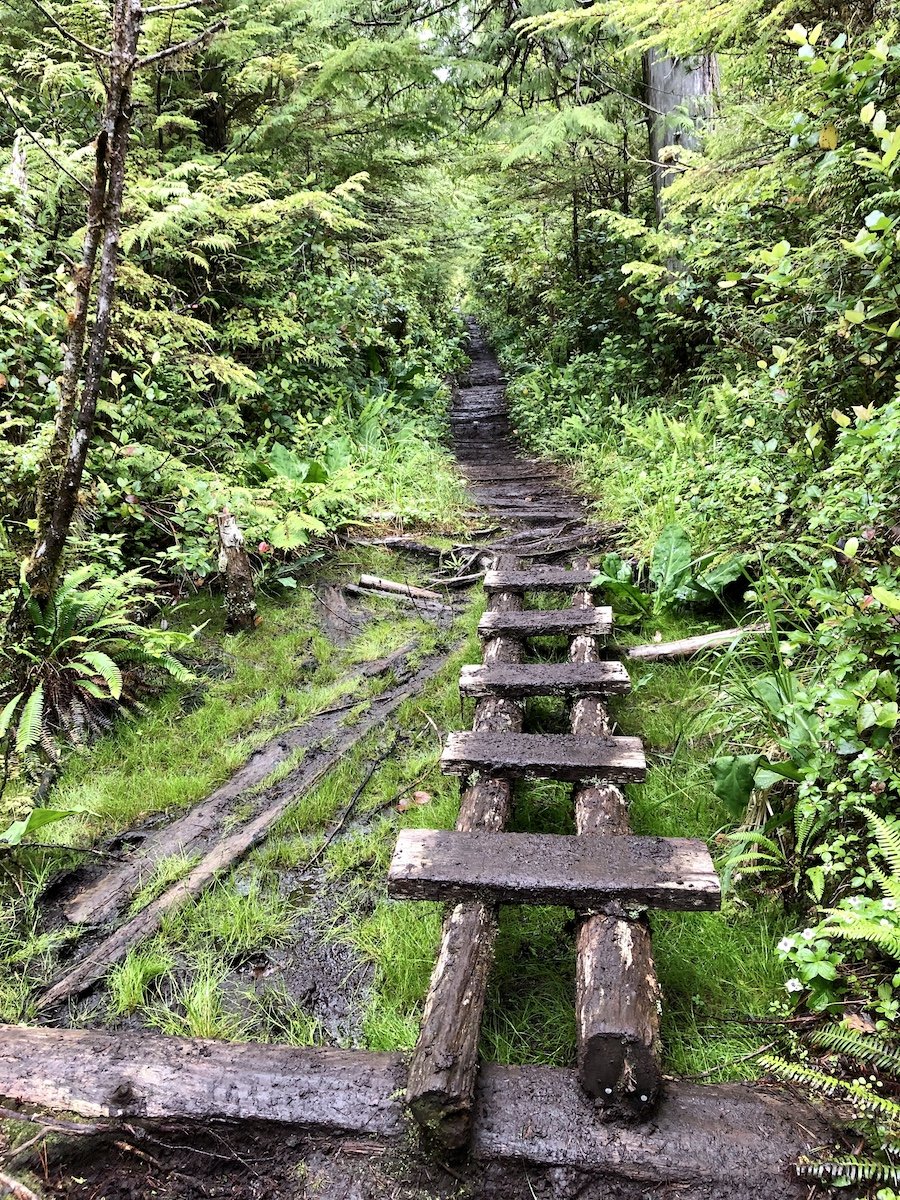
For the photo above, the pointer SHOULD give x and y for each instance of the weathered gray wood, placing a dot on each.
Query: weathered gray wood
(546, 579)
(539, 868)
(617, 994)
(540, 623)
(545, 679)
(692, 645)
(441, 1085)
(544, 756)
(378, 584)
(730, 1142)
(129, 1075)
(233, 846)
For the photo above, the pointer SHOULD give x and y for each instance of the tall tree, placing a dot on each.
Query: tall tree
(680, 96)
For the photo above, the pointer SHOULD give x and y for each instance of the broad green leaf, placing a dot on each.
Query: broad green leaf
(7, 715)
(670, 563)
(36, 819)
(733, 780)
(890, 600)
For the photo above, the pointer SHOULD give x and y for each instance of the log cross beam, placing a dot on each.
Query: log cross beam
(617, 996)
(442, 1074)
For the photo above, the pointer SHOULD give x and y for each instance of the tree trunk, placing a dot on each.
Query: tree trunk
(680, 95)
(63, 466)
(240, 598)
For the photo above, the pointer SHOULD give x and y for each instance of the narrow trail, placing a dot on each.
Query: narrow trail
(381, 1124)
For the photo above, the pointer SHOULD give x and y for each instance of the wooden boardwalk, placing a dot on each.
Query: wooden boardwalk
(608, 876)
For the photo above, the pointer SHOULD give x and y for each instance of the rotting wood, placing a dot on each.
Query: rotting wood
(617, 995)
(234, 846)
(711, 1142)
(728, 1142)
(234, 564)
(544, 756)
(692, 645)
(543, 579)
(15, 1188)
(119, 1075)
(103, 895)
(544, 868)
(544, 623)
(545, 679)
(441, 1085)
(378, 584)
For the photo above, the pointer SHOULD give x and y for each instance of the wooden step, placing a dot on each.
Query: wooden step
(540, 868)
(544, 756)
(537, 622)
(544, 679)
(548, 579)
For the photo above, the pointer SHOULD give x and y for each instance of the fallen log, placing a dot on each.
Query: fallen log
(617, 995)
(441, 1085)
(118, 1075)
(104, 895)
(375, 583)
(235, 845)
(430, 607)
(692, 645)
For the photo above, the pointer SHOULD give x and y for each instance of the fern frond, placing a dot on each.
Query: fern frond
(31, 721)
(887, 836)
(8, 713)
(862, 1047)
(105, 667)
(860, 1095)
(849, 1169)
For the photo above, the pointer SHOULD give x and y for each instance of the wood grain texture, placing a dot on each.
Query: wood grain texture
(544, 756)
(533, 868)
(545, 679)
(547, 623)
(540, 579)
(442, 1073)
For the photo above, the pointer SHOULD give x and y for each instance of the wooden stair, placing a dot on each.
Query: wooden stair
(572, 622)
(541, 579)
(544, 679)
(532, 868)
(562, 756)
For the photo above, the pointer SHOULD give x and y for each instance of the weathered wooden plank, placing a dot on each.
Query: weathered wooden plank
(542, 623)
(442, 1073)
(692, 645)
(535, 868)
(544, 756)
(728, 1142)
(129, 1075)
(546, 579)
(617, 995)
(545, 679)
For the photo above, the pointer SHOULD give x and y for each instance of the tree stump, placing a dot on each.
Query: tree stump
(234, 563)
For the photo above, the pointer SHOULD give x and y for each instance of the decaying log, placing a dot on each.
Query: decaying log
(692, 645)
(726, 1142)
(120, 1075)
(234, 564)
(545, 679)
(441, 1085)
(235, 845)
(105, 893)
(617, 994)
(544, 623)
(375, 583)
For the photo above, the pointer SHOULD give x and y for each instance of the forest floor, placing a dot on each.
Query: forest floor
(299, 943)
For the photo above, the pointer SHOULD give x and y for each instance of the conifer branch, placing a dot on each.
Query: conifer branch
(41, 146)
(67, 33)
(182, 47)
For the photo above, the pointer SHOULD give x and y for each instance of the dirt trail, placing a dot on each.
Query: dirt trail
(537, 1135)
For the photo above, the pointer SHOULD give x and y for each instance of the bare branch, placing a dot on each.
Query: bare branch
(182, 47)
(84, 187)
(169, 8)
(86, 46)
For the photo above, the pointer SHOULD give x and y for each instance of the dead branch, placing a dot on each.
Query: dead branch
(67, 33)
(182, 47)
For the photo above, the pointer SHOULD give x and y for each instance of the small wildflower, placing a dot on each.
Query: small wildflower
(889, 904)
(793, 985)
(808, 935)
(786, 945)
(264, 548)
(855, 901)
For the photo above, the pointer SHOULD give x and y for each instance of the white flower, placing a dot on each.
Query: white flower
(808, 935)
(793, 985)
(855, 901)
(888, 904)
(786, 945)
